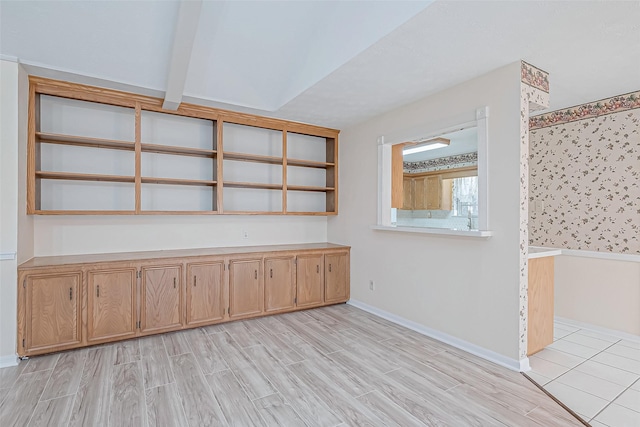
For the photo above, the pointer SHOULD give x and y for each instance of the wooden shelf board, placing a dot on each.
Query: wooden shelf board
(181, 151)
(316, 213)
(83, 212)
(176, 181)
(253, 185)
(72, 176)
(308, 188)
(242, 157)
(143, 212)
(84, 141)
(254, 213)
(309, 163)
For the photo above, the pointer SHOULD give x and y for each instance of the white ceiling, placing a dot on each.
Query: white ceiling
(333, 63)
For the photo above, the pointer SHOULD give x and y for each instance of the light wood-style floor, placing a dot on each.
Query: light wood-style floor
(333, 366)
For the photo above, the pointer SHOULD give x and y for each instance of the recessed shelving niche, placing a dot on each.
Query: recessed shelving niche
(99, 151)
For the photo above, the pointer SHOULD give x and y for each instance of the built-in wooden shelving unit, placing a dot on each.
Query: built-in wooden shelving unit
(99, 151)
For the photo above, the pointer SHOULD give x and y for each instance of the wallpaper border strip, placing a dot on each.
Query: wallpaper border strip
(534, 76)
(442, 163)
(615, 104)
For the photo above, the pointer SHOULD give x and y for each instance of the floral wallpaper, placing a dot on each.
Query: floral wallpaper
(442, 163)
(535, 77)
(585, 171)
(594, 109)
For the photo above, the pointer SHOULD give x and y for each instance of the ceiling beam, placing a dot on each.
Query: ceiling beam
(184, 36)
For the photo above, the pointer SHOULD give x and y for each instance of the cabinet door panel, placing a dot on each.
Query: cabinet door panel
(433, 192)
(111, 304)
(161, 298)
(420, 196)
(336, 277)
(53, 310)
(310, 280)
(245, 288)
(205, 293)
(407, 191)
(279, 291)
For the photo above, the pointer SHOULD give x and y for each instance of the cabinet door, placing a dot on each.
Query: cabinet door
(407, 190)
(205, 292)
(336, 277)
(161, 298)
(420, 194)
(245, 287)
(447, 195)
(53, 312)
(433, 193)
(279, 290)
(310, 280)
(111, 304)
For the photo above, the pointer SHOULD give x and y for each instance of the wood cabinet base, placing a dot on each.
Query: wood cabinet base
(540, 296)
(76, 301)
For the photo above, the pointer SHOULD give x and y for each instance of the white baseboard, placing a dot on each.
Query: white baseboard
(491, 356)
(583, 325)
(9, 360)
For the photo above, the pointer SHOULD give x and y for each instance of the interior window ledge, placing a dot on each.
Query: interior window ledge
(437, 231)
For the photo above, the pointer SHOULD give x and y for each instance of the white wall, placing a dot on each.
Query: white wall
(464, 287)
(65, 235)
(13, 95)
(599, 292)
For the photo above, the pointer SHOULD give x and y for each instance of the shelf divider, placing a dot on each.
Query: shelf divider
(243, 157)
(73, 176)
(175, 150)
(176, 181)
(308, 188)
(253, 185)
(84, 141)
(309, 163)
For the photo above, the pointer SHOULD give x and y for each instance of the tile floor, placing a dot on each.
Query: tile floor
(594, 374)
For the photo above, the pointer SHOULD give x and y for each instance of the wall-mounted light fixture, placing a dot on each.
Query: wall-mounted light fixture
(424, 145)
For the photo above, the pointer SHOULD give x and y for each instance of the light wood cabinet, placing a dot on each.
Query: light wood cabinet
(310, 280)
(427, 193)
(336, 277)
(80, 300)
(407, 192)
(112, 304)
(540, 304)
(161, 308)
(205, 293)
(52, 311)
(279, 288)
(245, 287)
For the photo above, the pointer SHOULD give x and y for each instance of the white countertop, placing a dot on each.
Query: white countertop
(540, 252)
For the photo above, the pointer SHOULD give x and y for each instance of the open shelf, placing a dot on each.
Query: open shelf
(142, 160)
(253, 185)
(243, 157)
(182, 151)
(176, 181)
(69, 176)
(84, 141)
(83, 212)
(309, 163)
(308, 188)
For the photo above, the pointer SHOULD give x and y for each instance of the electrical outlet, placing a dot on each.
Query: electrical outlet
(372, 285)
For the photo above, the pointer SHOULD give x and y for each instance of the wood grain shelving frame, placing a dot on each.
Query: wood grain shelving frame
(139, 103)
